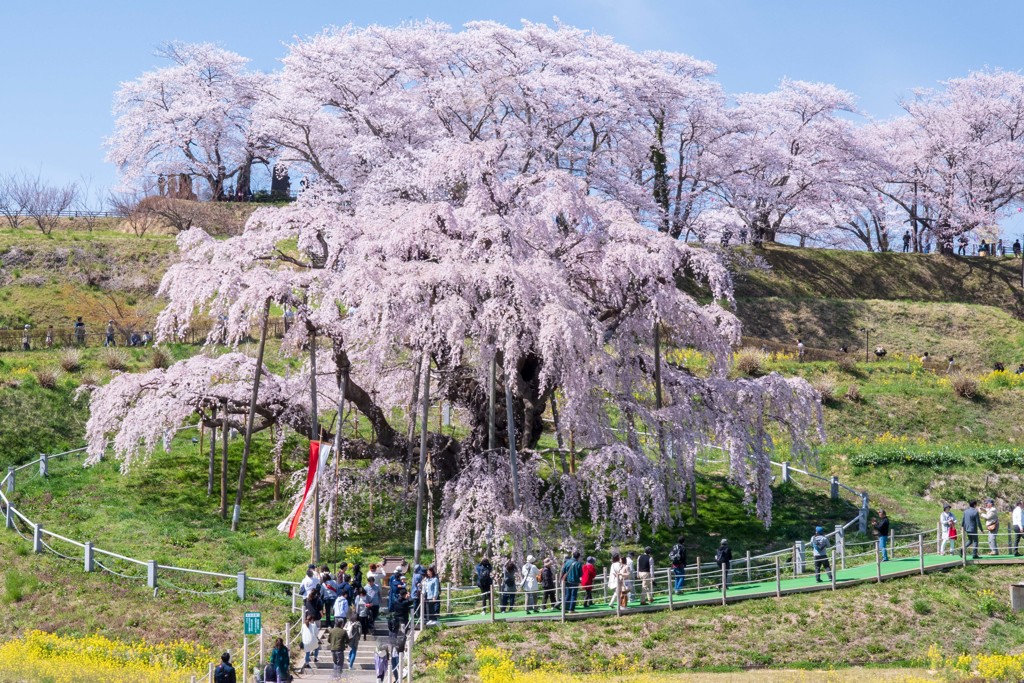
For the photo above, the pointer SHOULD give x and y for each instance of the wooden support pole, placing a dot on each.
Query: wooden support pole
(920, 551)
(698, 572)
(671, 589)
(835, 570)
(778, 578)
(725, 588)
(878, 563)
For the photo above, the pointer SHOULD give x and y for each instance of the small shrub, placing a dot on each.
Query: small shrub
(160, 358)
(71, 360)
(878, 455)
(116, 359)
(963, 385)
(826, 386)
(48, 377)
(922, 607)
(17, 585)
(750, 361)
(847, 365)
(90, 380)
(853, 393)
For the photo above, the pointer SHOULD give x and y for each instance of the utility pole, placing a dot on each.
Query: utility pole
(314, 435)
(421, 485)
(236, 515)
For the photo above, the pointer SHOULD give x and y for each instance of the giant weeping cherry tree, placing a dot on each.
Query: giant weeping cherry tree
(488, 201)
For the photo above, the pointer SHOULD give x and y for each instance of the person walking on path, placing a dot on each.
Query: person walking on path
(329, 592)
(509, 579)
(906, 242)
(881, 527)
(645, 574)
(1017, 520)
(547, 582)
(337, 640)
(587, 581)
(353, 631)
(280, 660)
(972, 525)
(991, 517)
(819, 548)
(26, 338)
(380, 662)
(372, 600)
(572, 573)
(677, 556)
(311, 639)
(109, 340)
(723, 558)
(224, 673)
(485, 581)
(800, 349)
(363, 610)
(947, 526)
(613, 579)
(529, 584)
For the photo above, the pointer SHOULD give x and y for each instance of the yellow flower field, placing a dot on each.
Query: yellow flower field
(51, 658)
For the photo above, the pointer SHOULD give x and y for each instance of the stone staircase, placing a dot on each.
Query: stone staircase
(363, 669)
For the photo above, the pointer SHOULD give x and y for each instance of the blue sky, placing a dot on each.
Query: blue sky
(65, 58)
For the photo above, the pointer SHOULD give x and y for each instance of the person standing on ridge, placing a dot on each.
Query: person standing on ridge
(972, 524)
(819, 548)
(906, 242)
(881, 527)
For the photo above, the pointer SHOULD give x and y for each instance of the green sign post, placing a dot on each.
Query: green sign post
(253, 623)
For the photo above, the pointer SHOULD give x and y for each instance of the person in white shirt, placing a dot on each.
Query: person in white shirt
(991, 517)
(529, 583)
(631, 565)
(947, 523)
(1018, 527)
(613, 579)
(310, 583)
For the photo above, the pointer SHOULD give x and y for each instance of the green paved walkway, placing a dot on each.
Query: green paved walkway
(806, 583)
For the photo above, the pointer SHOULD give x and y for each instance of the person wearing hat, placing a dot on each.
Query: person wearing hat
(645, 573)
(26, 338)
(723, 558)
(947, 525)
(547, 582)
(529, 583)
(819, 548)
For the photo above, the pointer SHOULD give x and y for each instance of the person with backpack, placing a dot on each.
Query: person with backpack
(280, 662)
(224, 673)
(947, 523)
(353, 631)
(395, 584)
(329, 593)
(380, 662)
(587, 577)
(677, 556)
(314, 604)
(485, 581)
(881, 527)
(572, 572)
(547, 582)
(819, 549)
(509, 579)
(528, 583)
(337, 640)
(723, 558)
(645, 574)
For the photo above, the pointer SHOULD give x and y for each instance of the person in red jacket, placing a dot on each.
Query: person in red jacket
(587, 581)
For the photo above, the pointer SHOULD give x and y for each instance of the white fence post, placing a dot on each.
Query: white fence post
(748, 566)
(44, 464)
(841, 545)
(833, 488)
(10, 479)
(151, 574)
(89, 562)
(786, 476)
(798, 558)
(9, 515)
(241, 586)
(37, 538)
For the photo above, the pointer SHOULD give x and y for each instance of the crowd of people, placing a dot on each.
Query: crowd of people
(78, 336)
